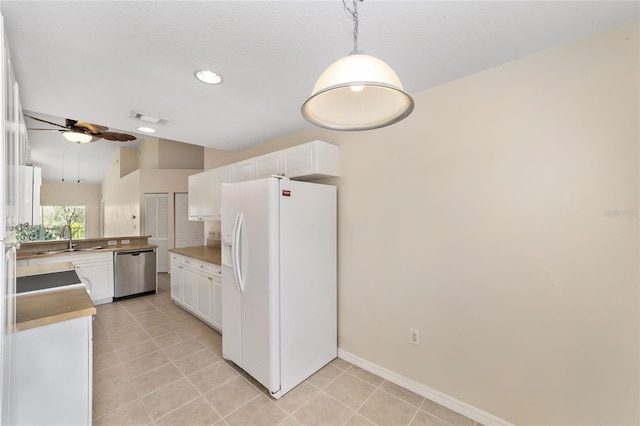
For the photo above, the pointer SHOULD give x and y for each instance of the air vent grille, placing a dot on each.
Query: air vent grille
(148, 118)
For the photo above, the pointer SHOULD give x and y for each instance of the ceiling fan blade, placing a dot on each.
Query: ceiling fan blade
(50, 130)
(119, 137)
(93, 128)
(45, 121)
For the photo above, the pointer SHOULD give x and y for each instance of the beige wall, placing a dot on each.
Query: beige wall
(178, 155)
(501, 220)
(74, 194)
(164, 154)
(121, 199)
(128, 160)
(167, 182)
(149, 154)
(135, 172)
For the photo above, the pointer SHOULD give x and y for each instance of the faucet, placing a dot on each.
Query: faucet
(70, 235)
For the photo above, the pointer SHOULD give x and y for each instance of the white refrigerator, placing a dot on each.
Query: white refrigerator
(279, 276)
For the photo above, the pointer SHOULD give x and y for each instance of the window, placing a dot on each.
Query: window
(54, 219)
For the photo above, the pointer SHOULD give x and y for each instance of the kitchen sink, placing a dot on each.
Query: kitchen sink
(69, 250)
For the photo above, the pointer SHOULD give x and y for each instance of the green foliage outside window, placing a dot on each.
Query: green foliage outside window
(54, 219)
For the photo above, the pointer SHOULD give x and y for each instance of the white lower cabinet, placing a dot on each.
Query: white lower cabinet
(52, 374)
(204, 296)
(95, 270)
(196, 286)
(189, 288)
(176, 278)
(98, 277)
(217, 299)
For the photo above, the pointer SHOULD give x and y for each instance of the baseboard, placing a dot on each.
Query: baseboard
(445, 400)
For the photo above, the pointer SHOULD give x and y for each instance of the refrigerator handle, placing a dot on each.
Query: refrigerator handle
(237, 273)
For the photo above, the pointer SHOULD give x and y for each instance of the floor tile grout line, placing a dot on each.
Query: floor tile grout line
(141, 398)
(184, 377)
(209, 345)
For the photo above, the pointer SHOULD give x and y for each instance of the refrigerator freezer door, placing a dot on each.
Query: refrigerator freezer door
(231, 302)
(308, 281)
(251, 308)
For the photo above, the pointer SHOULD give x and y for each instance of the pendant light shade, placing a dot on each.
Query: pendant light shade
(357, 92)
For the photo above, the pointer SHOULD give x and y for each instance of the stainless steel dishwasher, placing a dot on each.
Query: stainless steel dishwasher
(135, 272)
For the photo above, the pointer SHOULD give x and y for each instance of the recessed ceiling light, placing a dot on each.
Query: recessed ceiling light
(208, 77)
(147, 129)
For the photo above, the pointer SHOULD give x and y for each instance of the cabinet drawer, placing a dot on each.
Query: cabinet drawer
(207, 268)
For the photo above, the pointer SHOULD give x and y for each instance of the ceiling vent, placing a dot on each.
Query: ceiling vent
(148, 118)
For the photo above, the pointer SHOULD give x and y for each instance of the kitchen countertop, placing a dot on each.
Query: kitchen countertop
(202, 253)
(46, 307)
(23, 256)
(25, 271)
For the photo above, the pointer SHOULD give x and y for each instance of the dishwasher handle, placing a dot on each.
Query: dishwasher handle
(134, 252)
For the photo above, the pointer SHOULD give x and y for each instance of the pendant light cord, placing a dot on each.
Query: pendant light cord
(353, 14)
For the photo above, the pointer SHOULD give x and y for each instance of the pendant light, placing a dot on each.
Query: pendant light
(357, 92)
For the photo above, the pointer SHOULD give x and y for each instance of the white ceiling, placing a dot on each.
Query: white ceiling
(98, 61)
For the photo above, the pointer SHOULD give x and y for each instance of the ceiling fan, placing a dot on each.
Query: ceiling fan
(83, 132)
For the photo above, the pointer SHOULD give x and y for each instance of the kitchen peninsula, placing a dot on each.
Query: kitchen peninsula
(60, 377)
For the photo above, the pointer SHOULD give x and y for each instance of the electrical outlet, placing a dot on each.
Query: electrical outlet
(414, 336)
(112, 243)
(125, 242)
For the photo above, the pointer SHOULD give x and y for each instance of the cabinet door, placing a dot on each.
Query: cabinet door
(222, 175)
(244, 170)
(204, 289)
(201, 196)
(189, 288)
(312, 159)
(176, 280)
(194, 197)
(217, 303)
(59, 377)
(98, 277)
(269, 164)
(207, 198)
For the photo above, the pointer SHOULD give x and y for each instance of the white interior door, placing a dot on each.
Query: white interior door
(188, 233)
(156, 225)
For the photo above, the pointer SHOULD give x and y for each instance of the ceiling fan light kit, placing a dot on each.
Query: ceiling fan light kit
(77, 137)
(84, 132)
(357, 92)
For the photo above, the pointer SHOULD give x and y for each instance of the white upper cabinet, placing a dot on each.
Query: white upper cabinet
(244, 170)
(312, 160)
(269, 164)
(201, 196)
(30, 179)
(222, 175)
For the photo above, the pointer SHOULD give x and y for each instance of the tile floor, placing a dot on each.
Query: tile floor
(155, 364)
